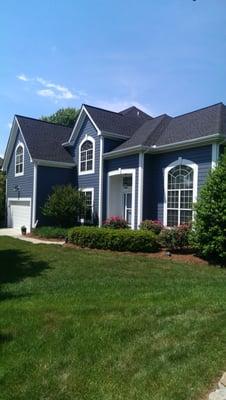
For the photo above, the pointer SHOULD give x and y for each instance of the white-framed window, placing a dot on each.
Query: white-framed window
(180, 192)
(89, 199)
(86, 156)
(19, 159)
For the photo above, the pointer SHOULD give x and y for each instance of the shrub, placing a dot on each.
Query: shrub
(64, 206)
(50, 232)
(209, 232)
(176, 238)
(113, 239)
(116, 223)
(151, 225)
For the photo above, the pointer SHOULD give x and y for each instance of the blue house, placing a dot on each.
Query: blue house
(127, 163)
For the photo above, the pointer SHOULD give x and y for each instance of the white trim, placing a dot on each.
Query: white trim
(24, 139)
(188, 163)
(57, 164)
(89, 189)
(140, 189)
(113, 136)
(34, 199)
(90, 171)
(200, 141)
(215, 154)
(121, 171)
(18, 200)
(100, 182)
(15, 156)
(77, 126)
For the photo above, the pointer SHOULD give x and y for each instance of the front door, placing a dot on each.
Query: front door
(127, 204)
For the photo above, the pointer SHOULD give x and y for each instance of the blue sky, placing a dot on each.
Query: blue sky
(163, 55)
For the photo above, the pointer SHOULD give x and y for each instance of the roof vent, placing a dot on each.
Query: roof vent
(138, 113)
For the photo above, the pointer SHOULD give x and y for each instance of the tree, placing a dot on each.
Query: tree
(64, 116)
(65, 205)
(2, 197)
(209, 233)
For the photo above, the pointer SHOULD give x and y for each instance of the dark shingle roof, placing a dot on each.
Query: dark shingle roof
(165, 130)
(44, 139)
(1, 162)
(123, 123)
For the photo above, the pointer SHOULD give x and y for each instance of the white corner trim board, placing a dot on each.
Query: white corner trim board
(120, 171)
(215, 154)
(34, 200)
(140, 189)
(100, 204)
(180, 161)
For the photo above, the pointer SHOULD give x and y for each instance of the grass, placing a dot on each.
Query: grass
(90, 325)
(50, 232)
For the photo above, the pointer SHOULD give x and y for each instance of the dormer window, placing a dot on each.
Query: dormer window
(86, 156)
(19, 160)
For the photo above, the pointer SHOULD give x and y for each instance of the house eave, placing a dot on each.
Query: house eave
(168, 147)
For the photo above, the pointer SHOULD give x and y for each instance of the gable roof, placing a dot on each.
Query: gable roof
(123, 123)
(44, 139)
(166, 130)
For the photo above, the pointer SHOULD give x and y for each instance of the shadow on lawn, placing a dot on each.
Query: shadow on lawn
(16, 265)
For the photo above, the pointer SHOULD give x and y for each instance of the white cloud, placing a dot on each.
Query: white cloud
(23, 77)
(9, 125)
(50, 89)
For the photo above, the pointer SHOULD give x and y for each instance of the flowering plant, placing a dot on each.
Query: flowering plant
(115, 222)
(151, 225)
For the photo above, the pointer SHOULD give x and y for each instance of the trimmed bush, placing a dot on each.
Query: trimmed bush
(176, 238)
(113, 239)
(151, 225)
(50, 232)
(64, 206)
(115, 222)
(209, 231)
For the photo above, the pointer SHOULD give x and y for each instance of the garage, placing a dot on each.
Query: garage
(19, 213)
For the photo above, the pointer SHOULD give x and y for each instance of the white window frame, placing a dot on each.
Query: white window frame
(20, 144)
(187, 163)
(92, 191)
(90, 171)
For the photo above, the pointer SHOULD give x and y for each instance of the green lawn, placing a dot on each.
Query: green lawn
(77, 324)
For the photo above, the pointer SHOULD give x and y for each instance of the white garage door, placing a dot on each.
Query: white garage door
(19, 214)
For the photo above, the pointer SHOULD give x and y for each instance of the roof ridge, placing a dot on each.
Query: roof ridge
(41, 120)
(165, 118)
(199, 109)
(104, 109)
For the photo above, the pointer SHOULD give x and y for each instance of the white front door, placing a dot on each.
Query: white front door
(127, 206)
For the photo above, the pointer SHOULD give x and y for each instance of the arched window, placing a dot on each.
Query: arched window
(86, 156)
(19, 160)
(181, 188)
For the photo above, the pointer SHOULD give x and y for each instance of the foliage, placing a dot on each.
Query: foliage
(113, 239)
(115, 222)
(64, 116)
(2, 198)
(176, 238)
(78, 323)
(151, 225)
(50, 232)
(64, 206)
(209, 232)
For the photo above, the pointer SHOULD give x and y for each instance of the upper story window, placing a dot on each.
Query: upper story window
(86, 156)
(19, 160)
(181, 192)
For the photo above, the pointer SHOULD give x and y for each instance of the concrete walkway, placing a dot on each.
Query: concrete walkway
(15, 233)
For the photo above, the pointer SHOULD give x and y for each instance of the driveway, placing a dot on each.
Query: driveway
(15, 233)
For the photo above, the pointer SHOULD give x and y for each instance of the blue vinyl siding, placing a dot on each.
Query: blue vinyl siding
(89, 180)
(25, 181)
(153, 194)
(125, 162)
(47, 178)
(111, 144)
